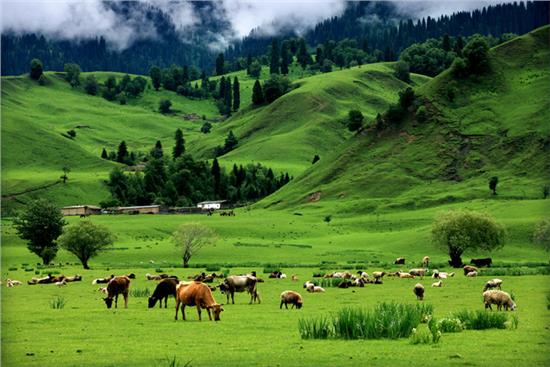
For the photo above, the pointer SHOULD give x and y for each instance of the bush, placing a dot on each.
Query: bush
(164, 105)
(71, 133)
(422, 335)
(58, 302)
(541, 234)
(275, 87)
(206, 127)
(386, 320)
(480, 320)
(450, 325)
(476, 53)
(42, 80)
(213, 268)
(402, 71)
(355, 120)
(421, 114)
(459, 68)
(90, 85)
(36, 69)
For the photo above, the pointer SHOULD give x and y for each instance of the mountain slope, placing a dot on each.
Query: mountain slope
(497, 125)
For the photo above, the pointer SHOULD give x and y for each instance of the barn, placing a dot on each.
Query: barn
(144, 209)
(80, 210)
(208, 205)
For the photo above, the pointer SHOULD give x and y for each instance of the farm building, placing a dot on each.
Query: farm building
(215, 204)
(80, 210)
(144, 209)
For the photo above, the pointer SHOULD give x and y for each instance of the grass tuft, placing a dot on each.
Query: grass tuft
(481, 319)
(140, 292)
(450, 325)
(58, 302)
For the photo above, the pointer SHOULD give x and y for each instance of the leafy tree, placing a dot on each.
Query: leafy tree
(220, 62)
(493, 182)
(118, 185)
(86, 240)
(164, 105)
(463, 230)
(274, 64)
(285, 58)
(191, 238)
(90, 85)
(104, 154)
(157, 152)
(206, 127)
(65, 175)
(476, 53)
(179, 147)
(402, 71)
(122, 153)
(327, 66)
(230, 142)
(72, 74)
(255, 69)
(109, 93)
(257, 93)
(275, 87)
(41, 223)
(315, 159)
(36, 69)
(236, 94)
(156, 76)
(355, 120)
(446, 43)
(541, 234)
(122, 99)
(459, 68)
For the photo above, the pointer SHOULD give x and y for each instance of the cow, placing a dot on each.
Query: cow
(165, 288)
(240, 283)
(196, 294)
(400, 261)
(45, 280)
(482, 262)
(76, 278)
(116, 286)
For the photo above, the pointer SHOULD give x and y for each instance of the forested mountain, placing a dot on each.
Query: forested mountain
(378, 28)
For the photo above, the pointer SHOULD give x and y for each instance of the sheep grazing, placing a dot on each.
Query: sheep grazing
(418, 272)
(499, 298)
(418, 290)
(493, 283)
(378, 274)
(472, 274)
(294, 278)
(437, 284)
(469, 269)
(294, 298)
(425, 261)
(363, 274)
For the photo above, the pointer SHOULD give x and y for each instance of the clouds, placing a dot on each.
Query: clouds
(80, 19)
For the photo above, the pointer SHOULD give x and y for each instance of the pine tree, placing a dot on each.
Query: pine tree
(275, 54)
(220, 61)
(257, 93)
(303, 57)
(285, 58)
(179, 147)
(122, 152)
(459, 45)
(221, 93)
(320, 57)
(227, 95)
(446, 43)
(157, 150)
(216, 176)
(155, 75)
(104, 154)
(230, 142)
(236, 94)
(248, 63)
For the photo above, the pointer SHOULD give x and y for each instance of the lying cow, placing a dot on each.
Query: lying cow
(197, 294)
(240, 283)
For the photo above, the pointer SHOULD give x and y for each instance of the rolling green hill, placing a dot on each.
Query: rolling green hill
(497, 125)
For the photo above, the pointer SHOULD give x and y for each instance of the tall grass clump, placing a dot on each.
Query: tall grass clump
(548, 301)
(140, 292)
(481, 319)
(386, 320)
(173, 362)
(58, 302)
(450, 325)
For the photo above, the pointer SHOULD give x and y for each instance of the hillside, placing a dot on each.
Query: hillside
(284, 135)
(497, 125)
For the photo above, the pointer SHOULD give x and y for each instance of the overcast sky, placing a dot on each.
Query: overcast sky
(74, 19)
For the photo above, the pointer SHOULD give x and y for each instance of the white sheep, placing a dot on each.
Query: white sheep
(493, 283)
(499, 298)
(315, 289)
(437, 284)
(308, 284)
(282, 276)
(405, 275)
(12, 283)
(418, 290)
(472, 274)
(61, 283)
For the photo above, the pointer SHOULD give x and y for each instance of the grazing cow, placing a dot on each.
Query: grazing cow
(400, 261)
(482, 262)
(294, 298)
(240, 283)
(469, 269)
(116, 286)
(197, 294)
(165, 288)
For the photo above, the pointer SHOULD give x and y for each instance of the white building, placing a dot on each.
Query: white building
(214, 204)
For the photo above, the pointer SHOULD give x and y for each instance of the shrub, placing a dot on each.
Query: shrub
(402, 71)
(459, 68)
(355, 120)
(58, 302)
(213, 268)
(42, 80)
(450, 325)
(12, 269)
(36, 69)
(71, 133)
(422, 335)
(164, 105)
(541, 234)
(206, 127)
(480, 320)
(140, 292)
(421, 114)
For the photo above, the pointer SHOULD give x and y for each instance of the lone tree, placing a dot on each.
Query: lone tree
(36, 69)
(164, 105)
(72, 74)
(355, 120)
(179, 147)
(191, 237)
(402, 71)
(40, 224)
(476, 53)
(462, 230)
(65, 176)
(541, 235)
(493, 182)
(85, 240)
(257, 93)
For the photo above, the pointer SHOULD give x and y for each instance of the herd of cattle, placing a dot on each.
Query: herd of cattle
(198, 291)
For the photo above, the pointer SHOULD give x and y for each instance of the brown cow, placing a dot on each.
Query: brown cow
(197, 294)
(116, 286)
